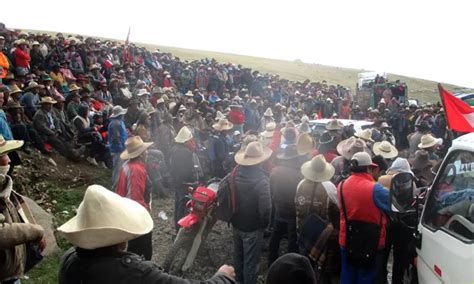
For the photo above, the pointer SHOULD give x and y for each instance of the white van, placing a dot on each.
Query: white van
(445, 244)
(445, 231)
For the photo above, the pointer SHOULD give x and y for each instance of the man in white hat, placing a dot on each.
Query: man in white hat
(364, 200)
(253, 210)
(31, 98)
(219, 147)
(429, 143)
(117, 135)
(17, 226)
(133, 183)
(184, 168)
(267, 118)
(99, 233)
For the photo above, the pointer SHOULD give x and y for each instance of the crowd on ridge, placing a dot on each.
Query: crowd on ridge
(160, 122)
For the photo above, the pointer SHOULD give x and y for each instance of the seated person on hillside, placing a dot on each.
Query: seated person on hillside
(87, 134)
(47, 126)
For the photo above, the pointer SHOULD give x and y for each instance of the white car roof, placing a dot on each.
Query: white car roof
(465, 142)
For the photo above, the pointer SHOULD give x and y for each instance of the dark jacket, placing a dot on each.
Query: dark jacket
(102, 266)
(253, 201)
(284, 180)
(181, 165)
(40, 121)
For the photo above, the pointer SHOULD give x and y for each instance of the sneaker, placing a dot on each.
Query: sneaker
(102, 164)
(92, 161)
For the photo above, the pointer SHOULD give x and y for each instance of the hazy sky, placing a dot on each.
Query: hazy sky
(426, 39)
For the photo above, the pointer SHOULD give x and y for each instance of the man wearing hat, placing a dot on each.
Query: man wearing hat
(253, 210)
(31, 98)
(364, 200)
(252, 117)
(334, 127)
(346, 148)
(117, 135)
(98, 259)
(47, 126)
(133, 183)
(22, 58)
(284, 179)
(4, 62)
(267, 118)
(183, 160)
(422, 168)
(165, 134)
(219, 147)
(414, 139)
(429, 144)
(17, 225)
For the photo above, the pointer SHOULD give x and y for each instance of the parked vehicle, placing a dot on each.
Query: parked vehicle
(445, 230)
(372, 87)
(318, 126)
(195, 228)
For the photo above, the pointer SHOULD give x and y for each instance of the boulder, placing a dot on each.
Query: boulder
(44, 219)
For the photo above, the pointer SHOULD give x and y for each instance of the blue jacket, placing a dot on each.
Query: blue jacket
(5, 127)
(117, 134)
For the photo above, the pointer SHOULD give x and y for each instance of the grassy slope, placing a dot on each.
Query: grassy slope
(424, 90)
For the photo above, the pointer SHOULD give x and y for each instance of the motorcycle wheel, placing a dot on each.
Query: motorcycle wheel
(178, 252)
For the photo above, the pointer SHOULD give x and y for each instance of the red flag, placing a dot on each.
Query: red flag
(460, 115)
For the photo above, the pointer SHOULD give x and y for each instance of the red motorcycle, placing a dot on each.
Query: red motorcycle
(194, 228)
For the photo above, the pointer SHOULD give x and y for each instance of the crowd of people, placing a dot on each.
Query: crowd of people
(161, 123)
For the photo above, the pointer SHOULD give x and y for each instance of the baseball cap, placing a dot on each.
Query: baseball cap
(363, 159)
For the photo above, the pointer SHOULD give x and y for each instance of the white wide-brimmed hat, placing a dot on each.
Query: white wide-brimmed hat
(47, 100)
(385, 149)
(318, 169)
(347, 148)
(254, 154)
(305, 144)
(104, 219)
(428, 141)
(269, 130)
(134, 147)
(143, 92)
(334, 124)
(223, 124)
(184, 135)
(6, 146)
(365, 134)
(117, 111)
(33, 85)
(268, 112)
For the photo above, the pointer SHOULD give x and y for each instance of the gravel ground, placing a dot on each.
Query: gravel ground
(216, 250)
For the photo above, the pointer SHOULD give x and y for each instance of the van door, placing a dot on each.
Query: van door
(446, 248)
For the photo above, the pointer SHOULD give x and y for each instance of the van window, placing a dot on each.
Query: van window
(450, 206)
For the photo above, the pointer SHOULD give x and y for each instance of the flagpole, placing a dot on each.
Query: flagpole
(441, 89)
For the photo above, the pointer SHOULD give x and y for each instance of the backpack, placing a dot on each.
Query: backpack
(226, 198)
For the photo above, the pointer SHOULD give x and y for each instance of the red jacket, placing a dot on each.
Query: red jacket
(236, 117)
(360, 205)
(132, 183)
(22, 58)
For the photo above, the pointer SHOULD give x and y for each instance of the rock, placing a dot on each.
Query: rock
(44, 219)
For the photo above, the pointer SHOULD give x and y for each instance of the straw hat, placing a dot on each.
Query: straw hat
(365, 134)
(13, 105)
(428, 141)
(347, 148)
(184, 135)
(47, 100)
(219, 115)
(142, 92)
(255, 153)
(317, 170)
(134, 147)
(160, 101)
(33, 85)
(117, 111)
(223, 124)
(121, 220)
(10, 145)
(268, 112)
(14, 90)
(290, 152)
(269, 130)
(305, 144)
(385, 149)
(334, 125)
(189, 94)
(74, 87)
(182, 108)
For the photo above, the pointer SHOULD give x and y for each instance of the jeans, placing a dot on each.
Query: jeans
(180, 201)
(280, 228)
(351, 274)
(117, 162)
(247, 252)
